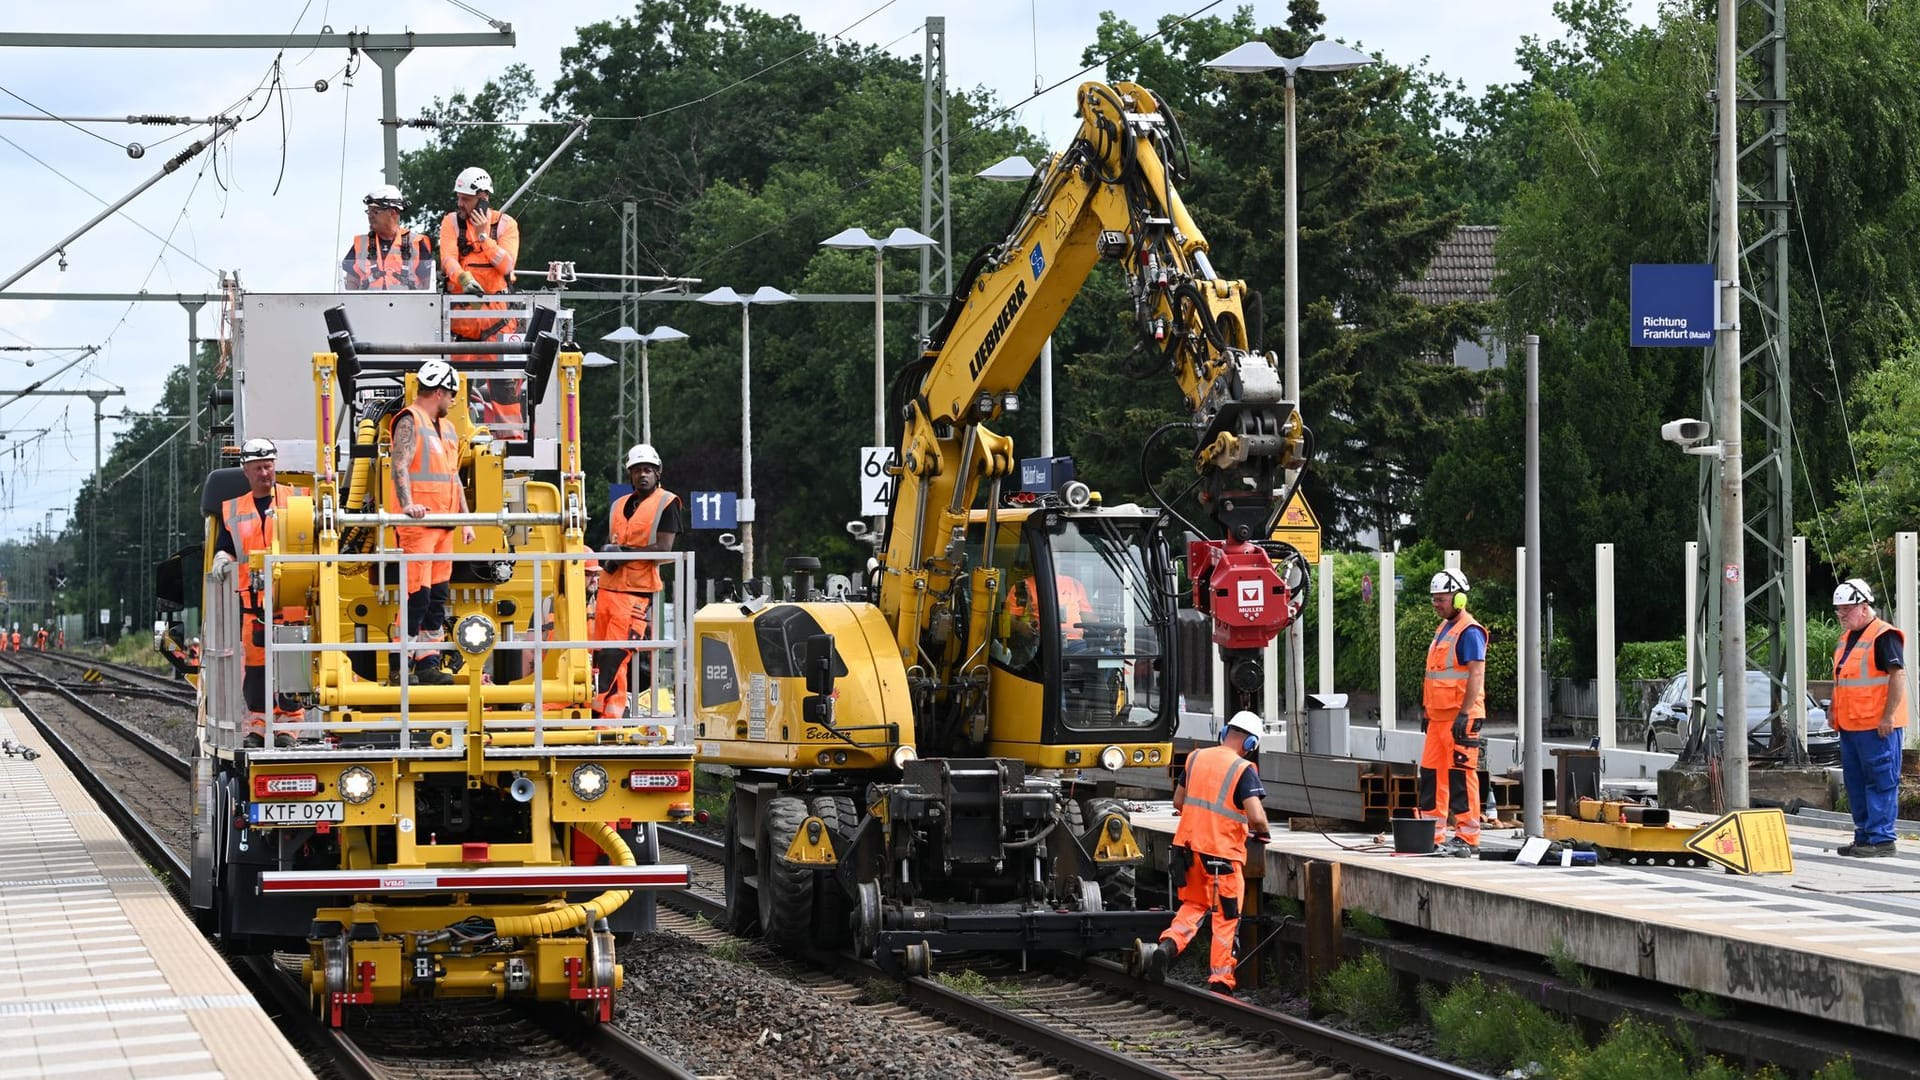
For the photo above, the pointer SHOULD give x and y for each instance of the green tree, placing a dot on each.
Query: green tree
(1856, 527)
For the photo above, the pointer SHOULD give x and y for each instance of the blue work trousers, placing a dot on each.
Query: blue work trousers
(1870, 764)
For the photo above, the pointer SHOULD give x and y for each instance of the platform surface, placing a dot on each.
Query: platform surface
(1839, 938)
(101, 974)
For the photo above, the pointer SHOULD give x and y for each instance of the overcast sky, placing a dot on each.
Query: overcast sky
(232, 218)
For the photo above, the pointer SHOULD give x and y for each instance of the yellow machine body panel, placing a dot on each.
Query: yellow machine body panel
(750, 689)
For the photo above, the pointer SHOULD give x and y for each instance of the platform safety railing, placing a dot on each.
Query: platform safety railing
(513, 707)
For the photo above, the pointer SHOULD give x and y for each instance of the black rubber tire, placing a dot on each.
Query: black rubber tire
(743, 903)
(786, 890)
(1118, 887)
(837, 812)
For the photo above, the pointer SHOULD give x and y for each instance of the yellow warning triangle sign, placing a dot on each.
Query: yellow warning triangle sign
(1747, 842)
(1298, 526)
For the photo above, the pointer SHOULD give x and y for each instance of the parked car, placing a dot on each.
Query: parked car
(1669, 723)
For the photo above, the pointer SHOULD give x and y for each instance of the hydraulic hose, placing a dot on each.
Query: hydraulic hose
(574, 916)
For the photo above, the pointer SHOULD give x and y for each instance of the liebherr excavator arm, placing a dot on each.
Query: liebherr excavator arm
(1110, 194)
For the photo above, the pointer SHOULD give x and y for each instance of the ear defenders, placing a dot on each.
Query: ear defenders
(1251, 744)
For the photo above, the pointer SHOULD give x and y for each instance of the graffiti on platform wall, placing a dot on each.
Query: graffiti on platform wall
(1772, 973)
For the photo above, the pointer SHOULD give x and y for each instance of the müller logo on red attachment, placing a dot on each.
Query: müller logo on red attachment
(1252, 596)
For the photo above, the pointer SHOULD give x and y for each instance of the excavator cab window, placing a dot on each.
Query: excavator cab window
(1081, 615)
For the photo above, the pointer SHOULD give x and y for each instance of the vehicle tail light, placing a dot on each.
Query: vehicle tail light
(661, 780)
(281, 785)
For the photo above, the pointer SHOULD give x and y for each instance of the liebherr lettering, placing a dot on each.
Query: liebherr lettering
(999, 328)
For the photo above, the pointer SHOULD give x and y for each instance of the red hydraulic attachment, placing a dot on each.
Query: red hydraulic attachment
(1235, 583)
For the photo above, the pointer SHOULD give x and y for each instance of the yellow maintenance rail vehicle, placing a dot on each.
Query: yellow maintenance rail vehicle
(482, 835)
(926, 761)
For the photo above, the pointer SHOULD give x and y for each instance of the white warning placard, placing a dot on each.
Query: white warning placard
(876, 482)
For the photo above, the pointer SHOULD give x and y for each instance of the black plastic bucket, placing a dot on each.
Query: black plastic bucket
(1413, 836)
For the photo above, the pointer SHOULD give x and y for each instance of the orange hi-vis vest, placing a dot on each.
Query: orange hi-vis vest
(1070, 597)
(398, 266)
(434, 473)
(252, 532)
(1209, 822)
(488, 256)
(1860, 683)
(636, 531)
(1446, 683)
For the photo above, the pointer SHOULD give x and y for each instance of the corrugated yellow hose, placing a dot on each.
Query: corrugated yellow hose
(574, 916)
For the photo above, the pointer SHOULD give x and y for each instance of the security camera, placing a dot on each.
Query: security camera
(1686, 432)
(857, 528)
(730, 541)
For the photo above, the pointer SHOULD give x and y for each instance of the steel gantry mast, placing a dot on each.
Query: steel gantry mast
(936, 219)
(1759, 143)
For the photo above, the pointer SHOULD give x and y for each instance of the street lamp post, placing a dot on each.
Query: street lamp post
(627, 335)
(1258, 56)
(858, 239)
(765, 294)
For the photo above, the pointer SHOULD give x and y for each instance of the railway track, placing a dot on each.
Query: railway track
(438, 1041)
(1082, 1017)
(128, 676)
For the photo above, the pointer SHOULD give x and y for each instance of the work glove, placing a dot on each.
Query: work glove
(1460, 728)
(612, 549)
(469, 284)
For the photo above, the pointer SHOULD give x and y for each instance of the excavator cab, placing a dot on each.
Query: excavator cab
(1081, 647)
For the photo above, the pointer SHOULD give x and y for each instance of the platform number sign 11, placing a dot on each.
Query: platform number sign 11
(715, 509)
(876, 483)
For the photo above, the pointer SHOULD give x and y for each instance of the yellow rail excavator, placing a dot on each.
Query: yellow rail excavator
(928, 763)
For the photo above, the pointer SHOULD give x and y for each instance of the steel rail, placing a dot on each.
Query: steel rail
(175, 764)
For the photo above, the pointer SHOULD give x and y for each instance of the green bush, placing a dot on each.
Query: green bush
(1631, 1051)
(1490, 1028)
(1823, 635)
(1650, 659)
(1837, 1069)
(1366, 992)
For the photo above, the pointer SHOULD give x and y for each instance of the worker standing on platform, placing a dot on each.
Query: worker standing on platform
(246, 528)
(1218, 800)
(426, 480)
(1869, 710)
(1455, 699)
(648, 519)
(387, 256)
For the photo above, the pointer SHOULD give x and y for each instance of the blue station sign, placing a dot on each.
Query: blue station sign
(1673, 305)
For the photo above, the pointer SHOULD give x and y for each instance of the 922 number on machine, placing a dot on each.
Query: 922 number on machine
(295, 813)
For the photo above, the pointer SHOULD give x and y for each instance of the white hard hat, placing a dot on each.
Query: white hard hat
(386, 195)
(257, 450)
(1246, 721)
(1448, 581)
(644, 454)
(1852, 591)
(472, 181)
(438, 375)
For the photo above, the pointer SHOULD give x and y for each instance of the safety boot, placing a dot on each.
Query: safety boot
(1160, 956)
(429, 674)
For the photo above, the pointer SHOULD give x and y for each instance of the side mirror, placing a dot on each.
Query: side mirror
(817, 708)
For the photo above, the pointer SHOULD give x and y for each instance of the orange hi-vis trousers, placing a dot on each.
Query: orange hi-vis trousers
(1205, 892)
(1449, 780)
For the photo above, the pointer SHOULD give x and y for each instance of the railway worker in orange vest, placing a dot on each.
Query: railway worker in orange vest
(40, 638)
(1218, 800)
(61, 638)
(648, 519)
(426, 480)
(479, 248)
(16, 639)
(1070, 597)
(387, 255)
(1455, 697)
(1869, 710)
(246, 527)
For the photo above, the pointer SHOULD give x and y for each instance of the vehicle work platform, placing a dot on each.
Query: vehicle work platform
(101, 972)
(1838, 939)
